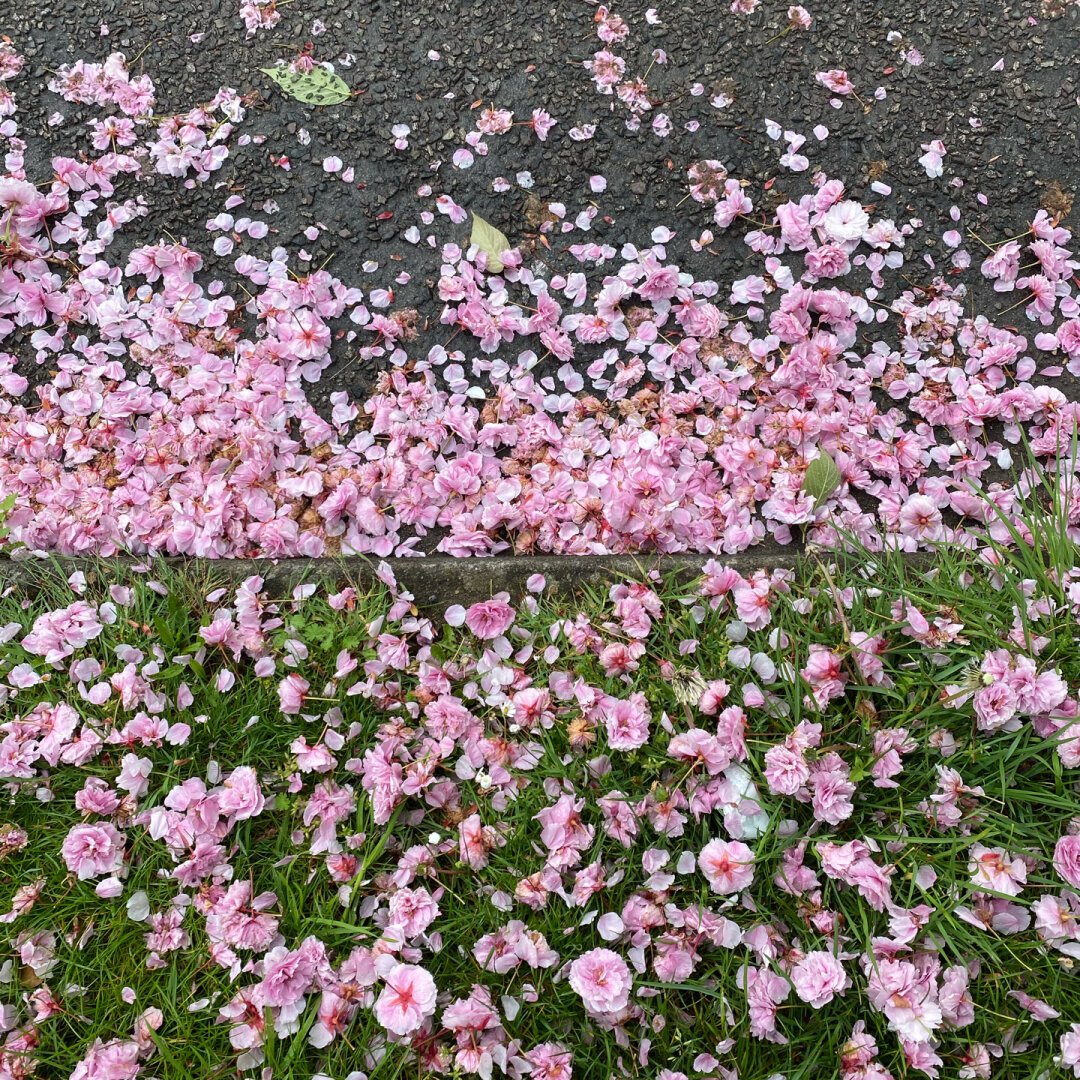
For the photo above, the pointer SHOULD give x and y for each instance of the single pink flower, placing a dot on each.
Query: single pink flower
(603, 980)
(1067, 860)
(996, 870)
(920, 519)
(1070, 1049)
(995, 707)
(413, 911)
(819, 977)
(490, 618)
(836, 80)
(728, 866)
(291, 693)
(240, 795)
(117, 1059)
(626, 722)
(407, 1000)
(93, 850)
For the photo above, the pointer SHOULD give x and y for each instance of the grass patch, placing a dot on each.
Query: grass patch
(78, 961)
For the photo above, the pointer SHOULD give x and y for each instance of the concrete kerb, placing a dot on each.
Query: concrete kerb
(435, 581)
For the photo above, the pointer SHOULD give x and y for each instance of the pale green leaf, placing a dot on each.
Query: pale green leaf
(822, 478)
(489, 240)
(316, 87)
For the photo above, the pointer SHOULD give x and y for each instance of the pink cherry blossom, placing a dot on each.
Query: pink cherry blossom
(932, 159)
(996, 869)
(58, 634)
(835, 80)
(626, 722)
(241, 796)
(1067, 859)
(291, 693)
(490, 619)
(920, 519)
(602, 979)
(93, 850)
(117, 1059)
(798, 17)
(407, 999)
(728, 866)
(819, 977)
(1070, 1049)
(413, 911)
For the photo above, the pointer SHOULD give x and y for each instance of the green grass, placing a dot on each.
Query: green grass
(1030, 799)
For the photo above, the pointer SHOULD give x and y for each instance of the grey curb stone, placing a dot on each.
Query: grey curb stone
(435, 581)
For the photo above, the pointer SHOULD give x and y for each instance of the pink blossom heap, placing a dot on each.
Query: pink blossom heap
(635, 409)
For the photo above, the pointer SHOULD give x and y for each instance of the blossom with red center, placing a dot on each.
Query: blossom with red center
(728, 866)
(920, 519)
(836, 80)
(407, 1000)
(996, 871)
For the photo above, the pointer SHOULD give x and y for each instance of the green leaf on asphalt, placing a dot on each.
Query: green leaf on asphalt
(822, 478)
(489, 240)
(316, 87)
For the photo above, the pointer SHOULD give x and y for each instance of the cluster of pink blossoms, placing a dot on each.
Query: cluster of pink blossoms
(492, 121)
(259, 15)
(609, 73)
(192, 142)
(635, 409)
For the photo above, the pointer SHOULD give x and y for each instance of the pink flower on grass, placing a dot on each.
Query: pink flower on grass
(728, 866)
(764, 992)
(907, 997)
(818, 978)
(58, 634)
(1067, 860)
(407, 1000)
(996, 871)
(240, 794)
(602, 979)
(93, 850)
(831, 791)
(550, 1061)
(412, 910)
(786, 769)
(824, 672)
(701, 748)
(117, 1059)
(1070, 1050)
(291, 693)
(289, 973)
(627, 722)
(995, 707)
(490, 619)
